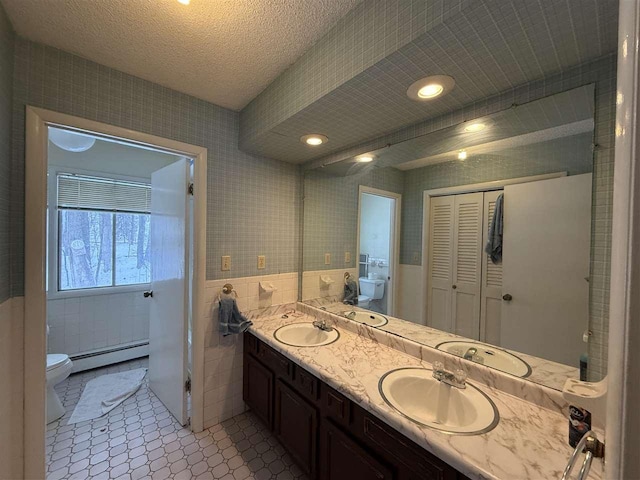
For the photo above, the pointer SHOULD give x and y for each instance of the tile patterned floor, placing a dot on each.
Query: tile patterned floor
(141, 440)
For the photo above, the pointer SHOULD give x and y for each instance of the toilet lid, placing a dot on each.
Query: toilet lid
(363, 298)
(55, 360)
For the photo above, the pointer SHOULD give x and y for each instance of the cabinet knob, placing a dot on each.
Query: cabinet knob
(454, 286)
(148, 294)
(507, 297)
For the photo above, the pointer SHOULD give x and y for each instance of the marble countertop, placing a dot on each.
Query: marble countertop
(543, 372)
(529, 442)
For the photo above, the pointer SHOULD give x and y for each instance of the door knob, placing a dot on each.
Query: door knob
(507, 297)
(148, 294)
(454, 286)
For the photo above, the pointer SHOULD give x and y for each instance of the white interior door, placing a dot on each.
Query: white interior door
(168, 326)
(491, 291)
(545, 266)
(467, 264)
(440, 263)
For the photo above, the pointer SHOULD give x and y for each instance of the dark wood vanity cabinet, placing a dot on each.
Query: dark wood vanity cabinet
(329, 436)
(296, 426)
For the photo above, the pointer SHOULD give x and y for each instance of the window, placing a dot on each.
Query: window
(103, 232)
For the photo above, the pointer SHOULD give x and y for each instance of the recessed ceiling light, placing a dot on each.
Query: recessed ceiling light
(462, 155)
(431, 87)
(314, 139)
(364, 159)
(184, 2)
(475, 127)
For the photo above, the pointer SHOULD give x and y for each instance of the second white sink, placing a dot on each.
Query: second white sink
(305, 335)
(487, 355)
(418, 396)
(368, 318)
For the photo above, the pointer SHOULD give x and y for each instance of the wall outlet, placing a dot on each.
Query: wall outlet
(262, 262)
(327, 259)
(226, 263)
(347, 257)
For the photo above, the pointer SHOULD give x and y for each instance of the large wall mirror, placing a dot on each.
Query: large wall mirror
(474, 239)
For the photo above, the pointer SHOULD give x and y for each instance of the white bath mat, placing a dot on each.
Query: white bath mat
(104, 393)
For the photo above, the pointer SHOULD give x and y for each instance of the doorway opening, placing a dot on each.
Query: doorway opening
(115, 275)
(378, 255)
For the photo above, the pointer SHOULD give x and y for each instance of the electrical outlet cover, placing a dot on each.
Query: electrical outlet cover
(262, 262)
(347, 257)
(226, 263)
(327, 259)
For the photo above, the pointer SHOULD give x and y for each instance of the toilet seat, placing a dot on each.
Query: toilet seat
(55, 360)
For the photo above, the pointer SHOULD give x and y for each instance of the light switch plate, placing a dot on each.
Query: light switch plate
(347, 257)
(262, 262)
(327, 259)
(416, 257)
(226, 263)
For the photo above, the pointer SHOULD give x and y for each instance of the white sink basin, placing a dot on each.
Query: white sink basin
(368, 318)
(490, 356)
(305, 335)
(418, 396)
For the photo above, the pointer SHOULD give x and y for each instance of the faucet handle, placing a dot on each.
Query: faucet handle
(460, 376)
(438, 366)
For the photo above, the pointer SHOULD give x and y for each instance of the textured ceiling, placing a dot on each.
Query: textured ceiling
(564, 114)
(488, 47)
(222, 51)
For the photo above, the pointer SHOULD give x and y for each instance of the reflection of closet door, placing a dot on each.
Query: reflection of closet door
(467, 264)
(545, 261)
(440, 263)
(491, 291)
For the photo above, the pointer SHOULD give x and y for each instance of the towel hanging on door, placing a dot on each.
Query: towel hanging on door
(493, 248)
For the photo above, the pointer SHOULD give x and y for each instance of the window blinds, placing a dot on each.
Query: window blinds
(92, 193)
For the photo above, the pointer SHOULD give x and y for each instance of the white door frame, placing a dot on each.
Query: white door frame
(394, 262)
(35, 305)
(455, 190)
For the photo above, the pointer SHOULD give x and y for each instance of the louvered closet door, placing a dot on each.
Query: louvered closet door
(467, 264)
(440, 263)
(491, 291)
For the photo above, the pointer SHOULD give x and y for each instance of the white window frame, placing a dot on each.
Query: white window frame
(54, 292)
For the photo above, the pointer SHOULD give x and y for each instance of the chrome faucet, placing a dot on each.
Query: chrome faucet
(322, 325)
(455, 379)
(470, 353)
(350, 315)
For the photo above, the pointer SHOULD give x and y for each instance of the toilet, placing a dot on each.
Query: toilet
(59, 367)
(370, 289)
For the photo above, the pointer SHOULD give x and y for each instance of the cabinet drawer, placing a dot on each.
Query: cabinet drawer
(307, 384)
(337, 406)
(387, 440)
(277, 362)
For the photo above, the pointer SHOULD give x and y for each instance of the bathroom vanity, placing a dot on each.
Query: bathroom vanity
(324, 398)
(328, 435)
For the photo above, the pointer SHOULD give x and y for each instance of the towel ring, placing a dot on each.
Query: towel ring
(227, 288)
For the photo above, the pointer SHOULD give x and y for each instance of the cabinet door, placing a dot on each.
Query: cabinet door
(258, 389)
(344, 459)
(296, 426)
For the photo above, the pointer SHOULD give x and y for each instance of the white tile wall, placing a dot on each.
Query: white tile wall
(313, 287)
(88, 323)
(223, 355)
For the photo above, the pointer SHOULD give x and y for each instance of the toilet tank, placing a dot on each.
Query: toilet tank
(373, 289)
